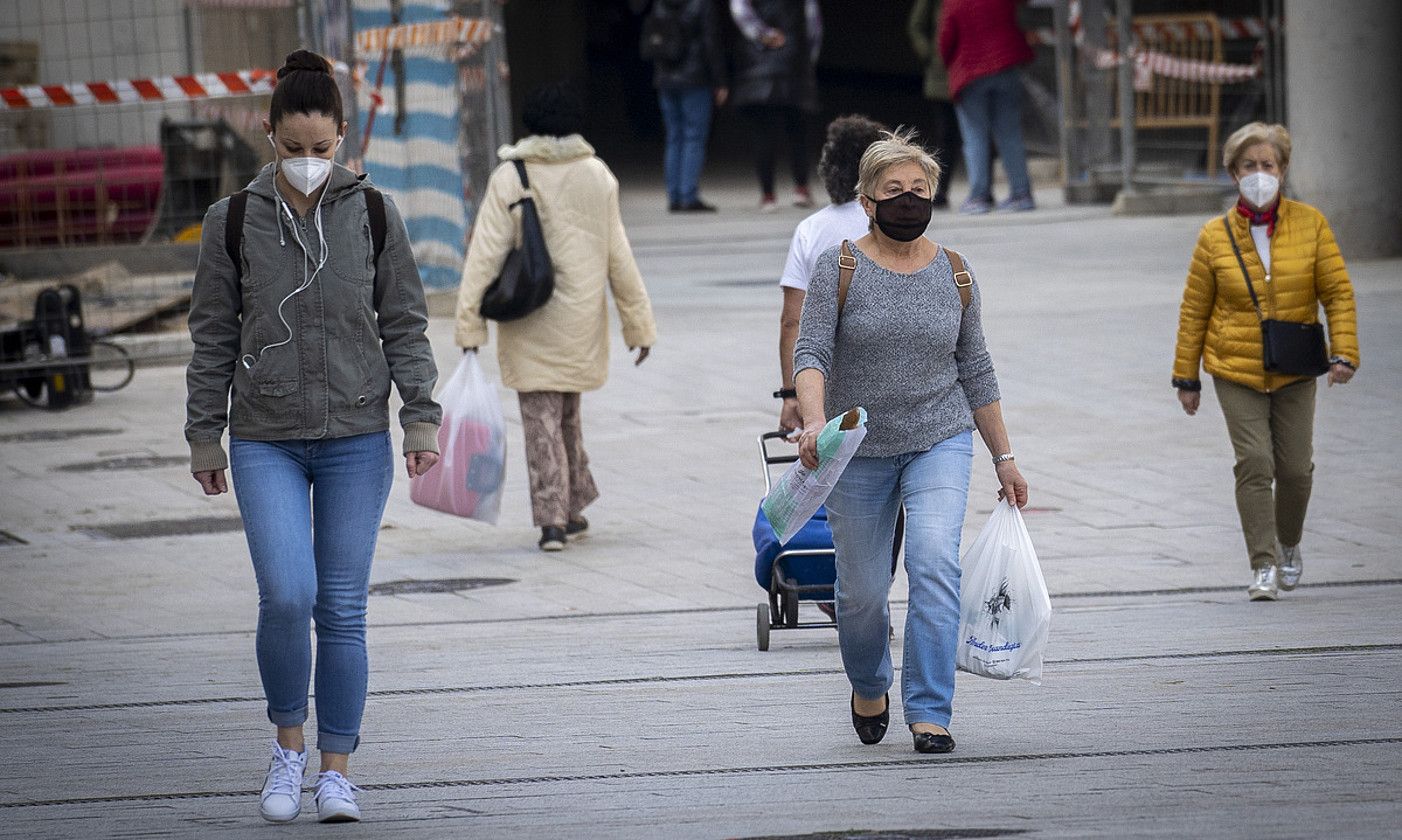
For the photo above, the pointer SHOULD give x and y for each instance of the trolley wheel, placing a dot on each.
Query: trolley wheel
(790, 604)
(762, 627)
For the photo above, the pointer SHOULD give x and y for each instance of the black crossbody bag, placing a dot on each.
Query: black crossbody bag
(527, 278)
(1287, 347)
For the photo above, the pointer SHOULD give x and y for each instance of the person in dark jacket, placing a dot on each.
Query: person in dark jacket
(683, 40)
(299, 332)
(775, 87)
(922, 28)
(983, 47)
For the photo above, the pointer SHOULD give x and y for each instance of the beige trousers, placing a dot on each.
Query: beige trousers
(561, 484)
(1273, 437)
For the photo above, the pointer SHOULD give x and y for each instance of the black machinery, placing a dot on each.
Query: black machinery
(50, 361)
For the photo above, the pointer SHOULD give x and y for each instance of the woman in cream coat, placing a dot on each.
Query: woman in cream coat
(560, 350)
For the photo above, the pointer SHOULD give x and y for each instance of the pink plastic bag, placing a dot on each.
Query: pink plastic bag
(467, 479)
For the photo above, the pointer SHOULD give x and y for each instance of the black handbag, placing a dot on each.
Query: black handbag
(527, 277)
(1288, 347)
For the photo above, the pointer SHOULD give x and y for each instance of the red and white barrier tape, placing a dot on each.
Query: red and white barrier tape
(1149, 63)
(155, 89)
(454, 30)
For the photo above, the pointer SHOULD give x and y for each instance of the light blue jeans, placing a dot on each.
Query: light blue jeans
(934, 487)
(311, 512)
(990, 114)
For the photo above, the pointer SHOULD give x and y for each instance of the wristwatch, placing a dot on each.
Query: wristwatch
(786, 393)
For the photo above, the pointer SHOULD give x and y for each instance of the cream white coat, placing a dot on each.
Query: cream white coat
(563, 346)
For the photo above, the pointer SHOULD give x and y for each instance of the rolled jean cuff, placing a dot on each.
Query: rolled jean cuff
(293, 718)
(333, 743)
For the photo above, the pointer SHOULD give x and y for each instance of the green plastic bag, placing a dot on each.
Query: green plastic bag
(801, 491)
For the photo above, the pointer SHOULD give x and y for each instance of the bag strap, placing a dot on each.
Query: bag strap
(375, 207)
(966, 288)
(521, 173)
(233, 230)
(846, 264)
(1231, 237)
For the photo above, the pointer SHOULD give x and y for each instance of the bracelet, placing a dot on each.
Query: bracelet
(1006, 456)
(786, 393)
(1340, 360)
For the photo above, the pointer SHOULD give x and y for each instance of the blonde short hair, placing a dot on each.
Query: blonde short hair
(1250, 135)
(894, 147)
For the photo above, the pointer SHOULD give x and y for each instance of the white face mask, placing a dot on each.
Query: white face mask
(305, 174)
(1259, 188)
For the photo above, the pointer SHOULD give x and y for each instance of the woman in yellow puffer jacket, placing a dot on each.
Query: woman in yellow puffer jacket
(1295, 265)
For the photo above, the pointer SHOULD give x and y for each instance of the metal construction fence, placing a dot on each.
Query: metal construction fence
(120, 121)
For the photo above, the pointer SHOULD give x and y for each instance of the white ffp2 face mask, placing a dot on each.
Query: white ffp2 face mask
(1259, 188)
(305, 174)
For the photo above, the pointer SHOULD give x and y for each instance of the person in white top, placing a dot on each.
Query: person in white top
(847, 138)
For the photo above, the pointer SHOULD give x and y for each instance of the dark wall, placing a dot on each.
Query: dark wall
(866, 66)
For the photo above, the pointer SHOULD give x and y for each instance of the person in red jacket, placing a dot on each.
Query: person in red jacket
(983, 48)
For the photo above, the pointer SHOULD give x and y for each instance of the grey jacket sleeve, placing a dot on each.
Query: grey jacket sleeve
(215, 318)
(402, 315)
(976, 375)
(817, 327)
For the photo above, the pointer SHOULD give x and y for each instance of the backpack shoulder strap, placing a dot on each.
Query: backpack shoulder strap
(846, 264)
(962, 278)
(233, 229)
(375, 207)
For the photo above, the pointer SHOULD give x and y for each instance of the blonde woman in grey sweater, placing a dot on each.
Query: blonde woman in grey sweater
(903, 344)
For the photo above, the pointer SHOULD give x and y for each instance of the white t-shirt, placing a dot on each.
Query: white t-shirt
(817, 233)
(1263, 245)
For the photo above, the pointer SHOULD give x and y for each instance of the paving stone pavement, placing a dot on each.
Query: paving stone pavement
(615, 690)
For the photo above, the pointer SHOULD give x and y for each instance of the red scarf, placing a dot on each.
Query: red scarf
(1265, 217)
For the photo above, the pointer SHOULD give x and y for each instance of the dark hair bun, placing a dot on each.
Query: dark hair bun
(305, 60)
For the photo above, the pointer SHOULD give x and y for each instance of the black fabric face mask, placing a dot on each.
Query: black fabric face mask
(903, 217)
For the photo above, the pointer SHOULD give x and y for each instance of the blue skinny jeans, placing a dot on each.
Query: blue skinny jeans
(311, 512)
(933, 486)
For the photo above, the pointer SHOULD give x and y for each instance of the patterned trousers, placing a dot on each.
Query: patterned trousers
(561, 484)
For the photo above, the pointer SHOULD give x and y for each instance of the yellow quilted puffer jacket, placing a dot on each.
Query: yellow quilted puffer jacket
(1217, 323)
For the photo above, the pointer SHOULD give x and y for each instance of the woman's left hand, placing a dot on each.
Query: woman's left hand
(418, 463)
(643, 353)
(1339, 374)
(1014, 487)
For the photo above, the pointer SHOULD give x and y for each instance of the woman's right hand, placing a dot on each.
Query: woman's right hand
(212, 482)
(808, 444)
(1190, 400)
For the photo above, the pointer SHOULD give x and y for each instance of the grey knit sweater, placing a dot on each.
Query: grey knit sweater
(903, 352)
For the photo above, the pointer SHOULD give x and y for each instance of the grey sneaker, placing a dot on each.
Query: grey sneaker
(335, 798)
(1017, 204)
(976, 206)
(1263, 587)
(281, 800)
(1292, 565)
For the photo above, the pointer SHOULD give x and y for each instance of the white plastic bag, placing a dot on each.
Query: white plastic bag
(801, 491)
(467, 479)
(1004, 608)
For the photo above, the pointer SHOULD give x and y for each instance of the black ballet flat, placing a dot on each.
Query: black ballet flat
(933, 742)
(871, 729)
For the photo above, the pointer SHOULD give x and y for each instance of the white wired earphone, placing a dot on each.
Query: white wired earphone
(249, 360)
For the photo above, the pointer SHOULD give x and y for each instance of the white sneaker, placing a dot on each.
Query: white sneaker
(335, 798)
(1264, 583)
(282, 791)
(1292, 565)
